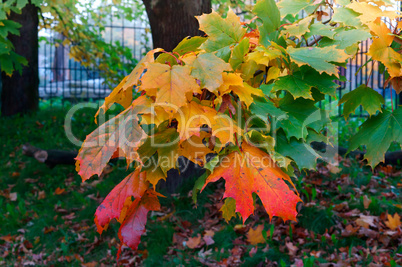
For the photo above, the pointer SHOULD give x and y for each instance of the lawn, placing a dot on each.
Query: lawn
(349, 215)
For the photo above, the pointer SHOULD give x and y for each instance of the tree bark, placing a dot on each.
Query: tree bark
(173, 20)
(20, 91)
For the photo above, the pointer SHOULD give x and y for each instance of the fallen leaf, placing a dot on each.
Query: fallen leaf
(41, 195)
(8, 238)
(334, 169)
(255, 237)
(253, 251)
(366, 221)
(292, 248)
(59, 191)
(193, 242)
(13, 196)
(208, 240)
(393, 221)
(366, 202)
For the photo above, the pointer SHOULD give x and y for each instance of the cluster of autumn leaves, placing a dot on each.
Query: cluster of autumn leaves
(224, 95)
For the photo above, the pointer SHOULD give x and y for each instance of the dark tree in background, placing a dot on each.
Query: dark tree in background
(20, 91)
(173, 20)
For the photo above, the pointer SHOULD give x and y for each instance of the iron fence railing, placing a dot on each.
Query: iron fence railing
(64, 78)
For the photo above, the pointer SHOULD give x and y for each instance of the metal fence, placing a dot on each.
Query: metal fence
(63, 78)
(78, 83)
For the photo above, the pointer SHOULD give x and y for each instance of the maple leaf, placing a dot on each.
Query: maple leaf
(228, 209)
(293, 7)
(301, 152)
(253, 171)
(238, 53)
(195, 150)
(221, 32)
(191, 117)
(377, 133)
(362, 95)
(133, 225)
(318, 58)
(134, 185)
(208, 68)
(380, 48)
(164, 142)
(347, 17)
(298, 28)
(193, 242)
(154, 174)
(172, 84)
(268, 12)
(187, 45)
(320, 29)
(123, 93)
(370, 12)
(397, 84)
(264, 108)
(122, 132)
(224, 128)
(393, 221)
(245, 93)
(345, 38)
(255, 237)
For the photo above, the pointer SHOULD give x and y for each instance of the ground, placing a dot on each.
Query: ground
(349, 215)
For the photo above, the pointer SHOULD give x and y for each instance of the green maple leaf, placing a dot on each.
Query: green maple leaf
(228, 209)
(293, 7)
(302, 114)
(185, 46)
(318, 57)
(320, 29)
(221, 32)
(300, 151)
(294, 84)
(299, 84)
(346, 38)
(377, 133)
(263, 107)
(347, 17)
(362, 95)
(239, 51)
(208, 69)
(268, 12)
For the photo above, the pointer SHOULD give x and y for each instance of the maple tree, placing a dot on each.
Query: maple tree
(247, 94)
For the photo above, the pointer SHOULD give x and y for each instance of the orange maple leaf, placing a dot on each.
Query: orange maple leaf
(122, 133)
(134, 224)
(393, 221)
(255, 237)
(115, 205)
(253, 171)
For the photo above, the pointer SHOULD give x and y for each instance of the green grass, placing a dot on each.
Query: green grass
(59, 228)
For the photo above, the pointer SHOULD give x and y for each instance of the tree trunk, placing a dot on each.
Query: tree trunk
(20, 92)
(173, 20)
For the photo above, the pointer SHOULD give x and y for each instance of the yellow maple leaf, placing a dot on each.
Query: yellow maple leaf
(191, 117)
(172, 84)
(123, 93)
(255, 237)
(393, 221)
(245, 93)
(195, 150)
(370, 13)
(380, 48)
